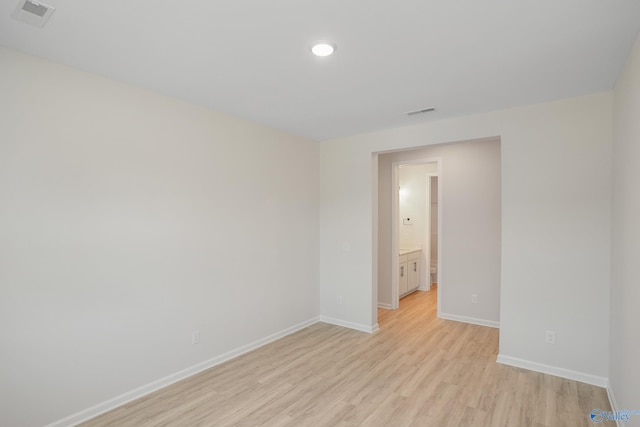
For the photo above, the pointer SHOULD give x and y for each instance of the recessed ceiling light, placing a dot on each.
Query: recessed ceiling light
(323, 48)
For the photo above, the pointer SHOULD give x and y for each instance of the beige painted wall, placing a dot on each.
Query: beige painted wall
(129, 220)
(625, 276)
(555, 226)
(471, 226)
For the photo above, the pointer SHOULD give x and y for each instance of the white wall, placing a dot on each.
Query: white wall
(129, 220)
(625, 251)
(412, 204)
(555, 225)
(471, 226)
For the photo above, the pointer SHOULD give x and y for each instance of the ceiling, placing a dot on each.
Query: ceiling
(251, 58)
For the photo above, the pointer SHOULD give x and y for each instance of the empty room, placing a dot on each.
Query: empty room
(409, 213)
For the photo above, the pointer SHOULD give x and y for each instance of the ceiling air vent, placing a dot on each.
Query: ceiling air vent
(422, 111)
(33, 12)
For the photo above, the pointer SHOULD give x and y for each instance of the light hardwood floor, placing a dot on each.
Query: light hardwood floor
(416, 371)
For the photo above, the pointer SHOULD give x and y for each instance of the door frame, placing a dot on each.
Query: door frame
(395, 218)
(430, 176)
(428, 234)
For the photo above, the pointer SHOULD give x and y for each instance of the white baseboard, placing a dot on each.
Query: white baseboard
(350, 325)
(612, 399)
(472, 320)
(385, 305)
(613, 403)
(553, 370)
(137, 393)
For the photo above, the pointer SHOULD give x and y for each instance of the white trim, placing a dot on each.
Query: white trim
(429, 236)
(613, 403)
(440, 221)
(395, 219)
(472, 320)
(385, 305)
(395, 243)
(553, 370)
(425, 279)
(374, 241)
(612, 399)
(350, 325)
(139, 392)
(101, 408)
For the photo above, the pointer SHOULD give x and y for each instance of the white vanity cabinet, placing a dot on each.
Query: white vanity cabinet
(413, 266)
(403, 275)
(408, 271)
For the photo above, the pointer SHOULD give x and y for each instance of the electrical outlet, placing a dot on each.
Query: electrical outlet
(550, 337)
(195, 337)
(339, 299)
(474, 299)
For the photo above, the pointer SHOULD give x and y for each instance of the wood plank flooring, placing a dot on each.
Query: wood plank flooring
(416, 371)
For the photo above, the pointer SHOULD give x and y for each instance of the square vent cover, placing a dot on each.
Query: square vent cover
(33, 12)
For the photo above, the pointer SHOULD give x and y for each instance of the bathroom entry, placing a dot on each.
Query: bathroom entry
(416, 227)
(468, 251)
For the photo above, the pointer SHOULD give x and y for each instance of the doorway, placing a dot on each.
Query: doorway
(468, 241)
(414, 241)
